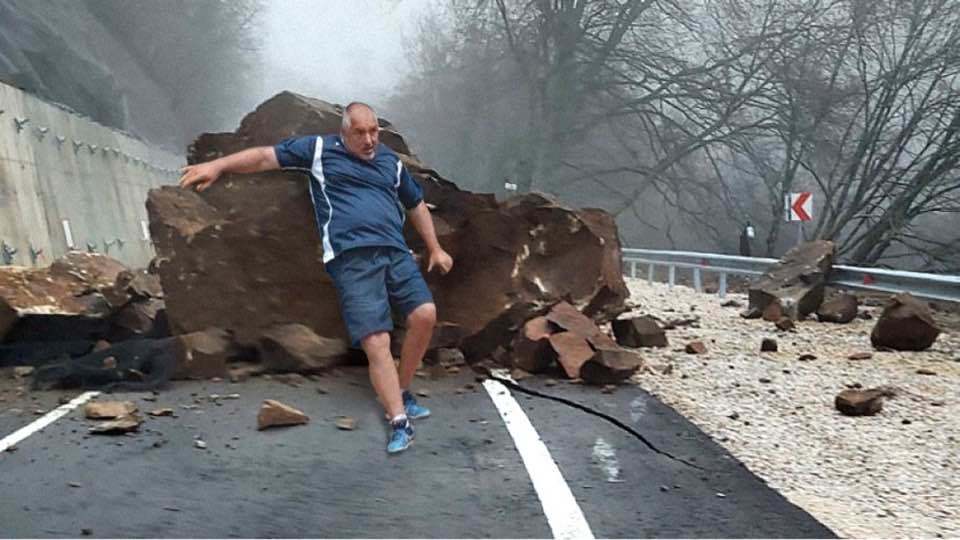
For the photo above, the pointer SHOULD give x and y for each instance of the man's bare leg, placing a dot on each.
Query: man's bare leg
(420, 325)
(383, 372)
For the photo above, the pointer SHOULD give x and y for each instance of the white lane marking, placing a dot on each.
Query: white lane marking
(605, 456)
(564, 515)
(638, 408)
(45, 420)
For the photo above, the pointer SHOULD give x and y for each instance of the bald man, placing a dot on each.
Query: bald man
(360, 190)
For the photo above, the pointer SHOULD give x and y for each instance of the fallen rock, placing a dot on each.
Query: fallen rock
(859, 402)
(768, 345)
(295, 347)
(161, 412)
(245, 254)
(773, 312)
(906, 324)
(695, 347)
(840, 309)
(203, 355)
(797, 281)
(530, 346)
(123, 424)
(62, 302)
(860, 356)
(141, 319)
(108, 409)
(570, 351)
(610, 366)
(786, 324)
(639, 332)
(346, 423)
(806, 357)
(22, 372)
(273, 413)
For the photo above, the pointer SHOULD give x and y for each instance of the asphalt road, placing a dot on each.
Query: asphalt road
(463, 477)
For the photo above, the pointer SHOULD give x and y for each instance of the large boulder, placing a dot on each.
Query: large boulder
(906, 324)
(245, 254)
(65, 301)
(796, 282)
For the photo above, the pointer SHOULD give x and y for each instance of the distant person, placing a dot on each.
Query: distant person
(357, 186)
(746, 235)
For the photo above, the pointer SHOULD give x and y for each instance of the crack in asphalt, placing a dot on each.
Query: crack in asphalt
(613, 420)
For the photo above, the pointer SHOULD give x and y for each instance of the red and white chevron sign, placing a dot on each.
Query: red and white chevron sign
(799, 206)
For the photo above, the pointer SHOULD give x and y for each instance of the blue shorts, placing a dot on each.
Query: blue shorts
(371, 279)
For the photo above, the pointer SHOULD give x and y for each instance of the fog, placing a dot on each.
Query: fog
(337, 50)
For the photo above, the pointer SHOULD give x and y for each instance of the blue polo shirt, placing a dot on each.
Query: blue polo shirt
(357, 202)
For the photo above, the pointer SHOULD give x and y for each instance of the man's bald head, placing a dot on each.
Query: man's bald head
(360, 130)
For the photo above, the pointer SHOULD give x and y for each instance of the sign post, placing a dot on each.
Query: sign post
(799, 208)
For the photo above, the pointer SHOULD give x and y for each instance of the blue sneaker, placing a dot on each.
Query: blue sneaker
(401, 436)
(413, 409)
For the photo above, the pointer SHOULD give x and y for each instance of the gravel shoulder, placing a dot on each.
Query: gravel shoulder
(894, 475)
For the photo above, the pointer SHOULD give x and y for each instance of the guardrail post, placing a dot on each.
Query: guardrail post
(697, 286)
(633, 269)
(723, 285)
(650, 273)
(673, 275)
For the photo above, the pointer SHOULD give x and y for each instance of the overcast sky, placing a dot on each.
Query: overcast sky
(338, 50)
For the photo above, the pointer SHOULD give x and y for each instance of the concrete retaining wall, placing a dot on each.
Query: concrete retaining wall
(61, 171)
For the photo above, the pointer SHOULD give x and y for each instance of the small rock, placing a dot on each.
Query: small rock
(346, 423)
(86, 532)
(21, 372)
(695, 347)
(123, 424)
(550, 382)
(764, 380)
(785, 324)
(321, 390)
(806, 357)
(734, 415)
(721, 495)
(273, 413)
(100, 410)
(200, 444)
(860, 356)
(423, 393)
(924, 371)
(731, 303)
(161, 412)
(74, 484)
(518, 374)
(768, 345)
(664, 488)
(906, 421)
(608, 389)
(859, 402)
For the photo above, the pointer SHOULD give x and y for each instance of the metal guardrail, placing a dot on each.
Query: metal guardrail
(930, 286)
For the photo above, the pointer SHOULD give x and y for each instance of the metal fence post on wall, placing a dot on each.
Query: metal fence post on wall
(7, 252)
(633, 269)
(723, 285)
(673, 275)
(697, 285)
(650, 273)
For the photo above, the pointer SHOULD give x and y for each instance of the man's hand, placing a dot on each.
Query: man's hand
(200, 175)
(441, 259)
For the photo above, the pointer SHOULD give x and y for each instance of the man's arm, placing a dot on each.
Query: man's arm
(251, 160)
(423, 223)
